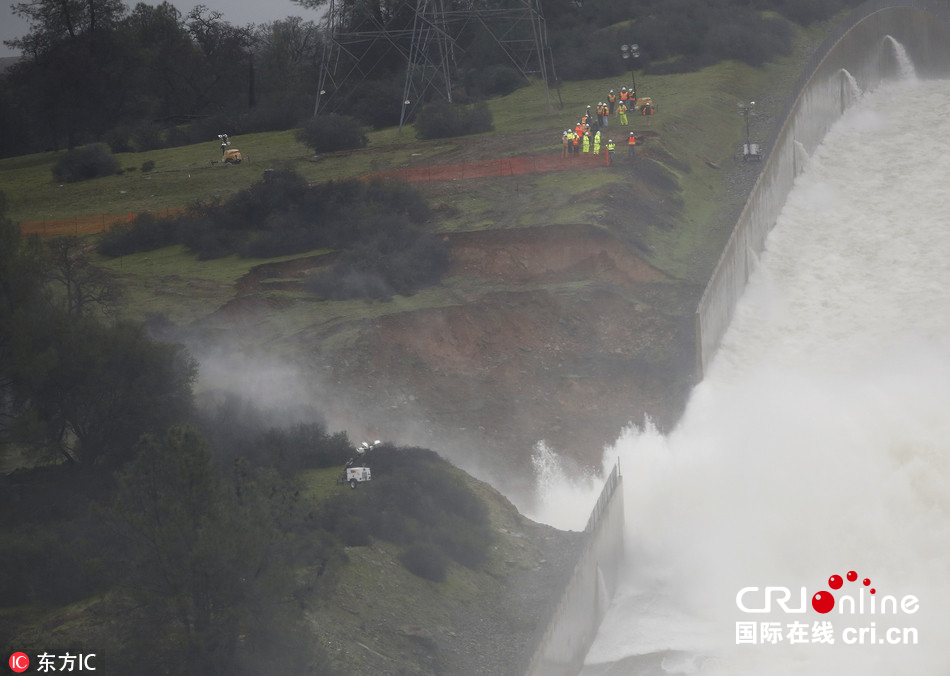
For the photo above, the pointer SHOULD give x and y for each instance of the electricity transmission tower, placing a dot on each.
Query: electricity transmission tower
(429, 37)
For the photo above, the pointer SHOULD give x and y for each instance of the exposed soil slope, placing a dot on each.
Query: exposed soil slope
(560, 333)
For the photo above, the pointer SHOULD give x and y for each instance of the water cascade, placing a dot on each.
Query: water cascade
(904, 64)
(850, 90)
(801, 158)
(817, 444)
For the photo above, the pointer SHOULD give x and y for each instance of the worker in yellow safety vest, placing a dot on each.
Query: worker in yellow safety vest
(622, 113)
(597, 143)
(586, 147)
(611, 146)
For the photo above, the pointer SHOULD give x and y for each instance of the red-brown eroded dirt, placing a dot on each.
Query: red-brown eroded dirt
(568, 341)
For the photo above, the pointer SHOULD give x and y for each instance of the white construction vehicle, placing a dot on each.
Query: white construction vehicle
(356, 474)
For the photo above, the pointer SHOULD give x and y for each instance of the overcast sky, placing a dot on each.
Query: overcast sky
(237, 12)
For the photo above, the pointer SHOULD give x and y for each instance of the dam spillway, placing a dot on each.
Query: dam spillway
(817, 444)
(817, 439)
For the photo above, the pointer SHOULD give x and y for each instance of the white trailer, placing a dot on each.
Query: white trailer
(357, 475)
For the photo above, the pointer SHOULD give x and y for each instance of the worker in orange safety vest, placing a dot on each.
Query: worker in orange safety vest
(631, 145)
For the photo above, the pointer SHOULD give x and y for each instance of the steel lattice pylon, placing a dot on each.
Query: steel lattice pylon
(429, 45)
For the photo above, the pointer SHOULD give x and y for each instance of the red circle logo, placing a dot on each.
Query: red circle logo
(19, 662)
(823, 602)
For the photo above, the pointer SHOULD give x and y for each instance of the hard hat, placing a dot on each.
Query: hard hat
(623, 89)
(611, 91)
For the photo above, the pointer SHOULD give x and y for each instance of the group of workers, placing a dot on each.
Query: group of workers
(585, 137)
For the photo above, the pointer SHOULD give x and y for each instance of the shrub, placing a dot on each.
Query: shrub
(416, 500)
(426, 561)
(119, 139)
(354, 531)
(396, 260)
(492, 81)
(147, 166)
(146, 233)
(440, 120)
(332, 132)
(148, 136)
(302, 446)
(86, 162)
(378, 103)
(274, 117)
(40, 567)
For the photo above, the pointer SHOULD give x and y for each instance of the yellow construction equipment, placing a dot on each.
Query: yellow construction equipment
(229, 155)
(644, 106)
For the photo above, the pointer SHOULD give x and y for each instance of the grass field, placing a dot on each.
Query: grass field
(693, 136)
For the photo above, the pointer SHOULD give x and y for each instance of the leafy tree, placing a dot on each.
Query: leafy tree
(53, 22)
(223, 81)
(171, 63)
(23, 304)
(287, 60)
(94, 388)
(69, 384)
(83, 287)
(76, 66)
(211, 554)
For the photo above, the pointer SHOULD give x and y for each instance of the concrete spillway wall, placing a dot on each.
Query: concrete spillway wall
(573, 625)
(872, 45)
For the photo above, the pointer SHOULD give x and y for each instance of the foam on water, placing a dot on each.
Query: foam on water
(819, 441)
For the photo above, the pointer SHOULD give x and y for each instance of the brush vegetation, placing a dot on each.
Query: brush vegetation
(212, 537)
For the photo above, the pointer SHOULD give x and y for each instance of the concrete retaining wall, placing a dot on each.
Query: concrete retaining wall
(857, 57)
(578, 615)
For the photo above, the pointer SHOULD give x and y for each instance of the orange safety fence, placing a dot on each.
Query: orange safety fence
(505, 166)
(83, 225)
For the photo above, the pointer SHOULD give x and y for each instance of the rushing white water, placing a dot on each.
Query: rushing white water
(819, 442)
(904, 62)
